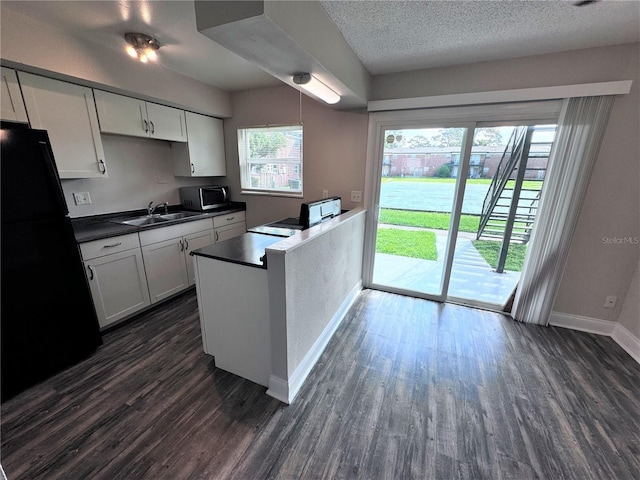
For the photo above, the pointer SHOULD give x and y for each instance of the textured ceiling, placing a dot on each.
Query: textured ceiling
(387, 35)
(395, 36)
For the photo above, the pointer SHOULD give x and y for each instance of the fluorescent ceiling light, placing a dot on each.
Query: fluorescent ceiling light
(316, 88)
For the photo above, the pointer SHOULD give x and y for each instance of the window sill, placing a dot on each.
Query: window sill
(272, 194)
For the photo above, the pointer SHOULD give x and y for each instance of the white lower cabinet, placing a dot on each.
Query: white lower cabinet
(130, 272)
(116, 275)
(229, 226)
(166, 267)
(230, 231)
(194, 242)
(166, 256)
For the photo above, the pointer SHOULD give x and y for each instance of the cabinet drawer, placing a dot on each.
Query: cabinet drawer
(174, 231)
(228, 219)
(107, 246)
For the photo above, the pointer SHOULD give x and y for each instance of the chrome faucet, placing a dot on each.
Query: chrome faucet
(152, 208)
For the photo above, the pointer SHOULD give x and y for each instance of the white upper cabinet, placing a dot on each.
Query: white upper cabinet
(68, 113)
(166, 123)
(121, 115)
(203, 154)
(11, 98)
(129, 116)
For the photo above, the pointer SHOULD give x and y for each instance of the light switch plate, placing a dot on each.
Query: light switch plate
(81, 198)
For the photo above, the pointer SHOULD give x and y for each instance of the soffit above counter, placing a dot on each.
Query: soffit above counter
(284, 38)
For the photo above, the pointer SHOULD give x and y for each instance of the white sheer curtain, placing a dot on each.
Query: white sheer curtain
(582, 125)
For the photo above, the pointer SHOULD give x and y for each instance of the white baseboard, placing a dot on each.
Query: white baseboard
(620, 334)
(278, 389)
(629, 342)
(583, 324)
(284, 390)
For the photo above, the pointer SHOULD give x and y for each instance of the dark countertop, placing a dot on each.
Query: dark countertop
(247, 249)
(101, 226)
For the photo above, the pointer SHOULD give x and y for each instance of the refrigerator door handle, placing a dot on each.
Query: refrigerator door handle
(91, 272)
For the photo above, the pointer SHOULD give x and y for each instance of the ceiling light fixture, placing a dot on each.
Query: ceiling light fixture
(142, 46)
(315, 87)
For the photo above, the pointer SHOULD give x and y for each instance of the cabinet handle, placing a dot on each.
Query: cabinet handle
(91, 272)
(193, 168)
(146, 126)
(153, 127)
(112, 245)
(186, 244)
(215, 235)
(230, 218)
(181, 246)
(102, 167)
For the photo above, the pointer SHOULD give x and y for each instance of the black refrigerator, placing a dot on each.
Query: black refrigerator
(48, 319)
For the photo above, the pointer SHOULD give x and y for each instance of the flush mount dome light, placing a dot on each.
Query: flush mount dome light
(315, 87)
(142, 46)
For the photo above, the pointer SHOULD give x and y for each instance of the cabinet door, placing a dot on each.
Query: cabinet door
(194, 242)
(118, 285)
(166, 268)
(121, 115)
(68, 112)
(203, 154)
(11, 98)
(166, 123)
(230, 231)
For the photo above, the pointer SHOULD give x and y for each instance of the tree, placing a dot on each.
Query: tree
(488, 137)
(449, 137)
(443, 172)
(266, 144)
(419, 141)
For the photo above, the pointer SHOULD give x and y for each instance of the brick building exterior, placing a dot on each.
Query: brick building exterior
(426, 161)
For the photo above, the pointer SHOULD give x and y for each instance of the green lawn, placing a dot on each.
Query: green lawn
(422, 244)
(438, 221)
(407, 243)
(491, 250)
(532, 184)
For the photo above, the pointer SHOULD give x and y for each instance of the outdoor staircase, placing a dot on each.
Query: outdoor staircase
(509, 210)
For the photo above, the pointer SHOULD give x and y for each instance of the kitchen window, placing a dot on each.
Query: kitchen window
(270, 160)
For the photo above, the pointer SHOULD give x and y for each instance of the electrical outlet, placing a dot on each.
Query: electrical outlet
(610, 301)
(356, 196)
(325, 193)
(81, 198)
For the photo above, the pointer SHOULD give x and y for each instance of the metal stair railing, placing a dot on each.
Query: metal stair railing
(506, 166)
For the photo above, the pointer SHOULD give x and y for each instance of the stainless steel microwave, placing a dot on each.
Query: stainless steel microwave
(202, 199)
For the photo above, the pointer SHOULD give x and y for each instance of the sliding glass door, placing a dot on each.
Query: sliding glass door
(453, 204)
(422, 177)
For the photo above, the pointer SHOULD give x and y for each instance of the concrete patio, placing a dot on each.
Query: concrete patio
(472, 278)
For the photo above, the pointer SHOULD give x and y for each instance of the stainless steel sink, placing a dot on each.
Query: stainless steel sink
(179, 215)
(150, 220)
(141, 221)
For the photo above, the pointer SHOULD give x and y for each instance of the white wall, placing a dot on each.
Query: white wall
(140, 171)
(46, 49)
(610, 209)
(334, 146)
(311, 285)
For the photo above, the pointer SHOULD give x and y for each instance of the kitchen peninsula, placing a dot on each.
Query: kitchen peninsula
(269, 305)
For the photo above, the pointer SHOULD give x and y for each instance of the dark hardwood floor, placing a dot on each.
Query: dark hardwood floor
(406, 389)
